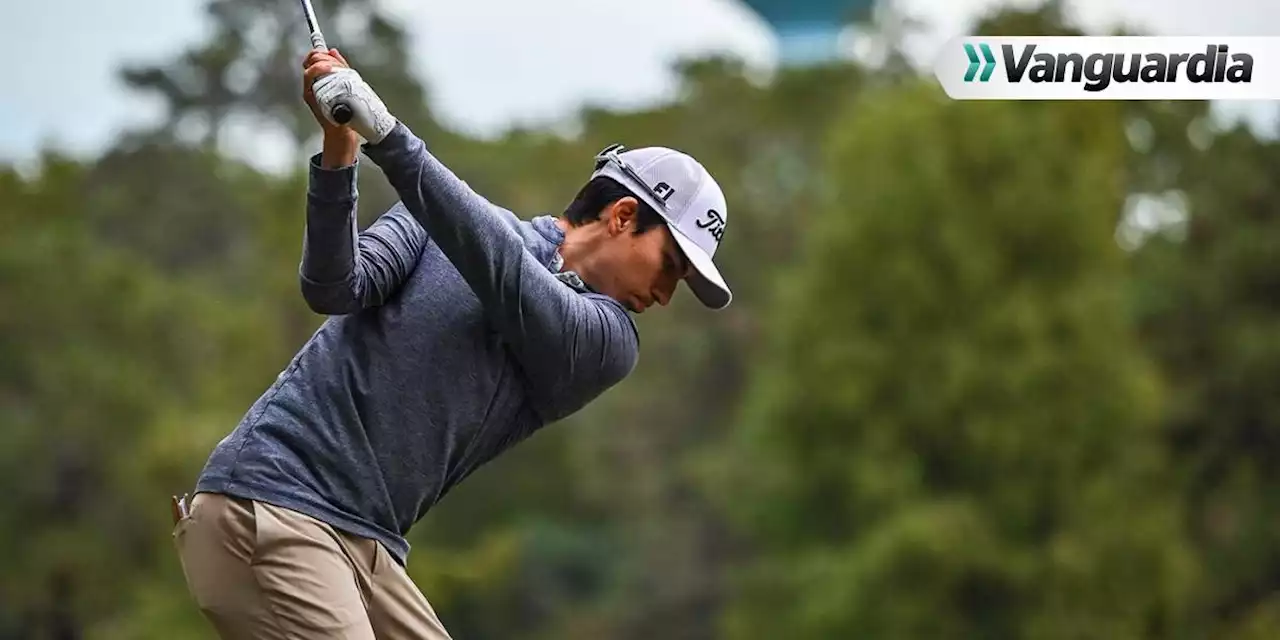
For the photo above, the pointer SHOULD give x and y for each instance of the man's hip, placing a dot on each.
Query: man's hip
(261, 571)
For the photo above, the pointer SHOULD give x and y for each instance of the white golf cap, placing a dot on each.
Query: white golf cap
(681, 190)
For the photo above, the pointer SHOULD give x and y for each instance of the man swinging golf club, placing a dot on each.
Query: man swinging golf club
(456, 330)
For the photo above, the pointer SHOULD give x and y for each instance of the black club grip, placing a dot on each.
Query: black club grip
(342, 113)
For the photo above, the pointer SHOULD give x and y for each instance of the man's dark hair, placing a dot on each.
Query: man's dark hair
(601, 192)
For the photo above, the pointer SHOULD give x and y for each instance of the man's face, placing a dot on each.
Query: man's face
(637, 270)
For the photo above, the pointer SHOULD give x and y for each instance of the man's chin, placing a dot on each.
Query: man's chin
(632, 305)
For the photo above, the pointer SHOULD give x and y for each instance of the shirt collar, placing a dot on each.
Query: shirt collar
(551, 238)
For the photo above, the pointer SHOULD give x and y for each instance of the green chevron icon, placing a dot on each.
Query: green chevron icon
(974, 62)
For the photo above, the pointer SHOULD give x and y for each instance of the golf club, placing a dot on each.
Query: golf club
(341, 113)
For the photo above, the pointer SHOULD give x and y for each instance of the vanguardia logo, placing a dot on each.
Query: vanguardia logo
(1098, 70)
(1119, 67)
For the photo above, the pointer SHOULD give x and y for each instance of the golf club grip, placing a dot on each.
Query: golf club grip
(342, 113)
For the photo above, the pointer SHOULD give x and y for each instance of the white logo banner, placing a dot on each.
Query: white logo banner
(1110, 68)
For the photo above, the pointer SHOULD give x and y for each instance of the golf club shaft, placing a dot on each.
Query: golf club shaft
(341, 113)
(313, 26)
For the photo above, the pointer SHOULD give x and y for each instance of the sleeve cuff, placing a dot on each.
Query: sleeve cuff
(393, 139)
(332, 185)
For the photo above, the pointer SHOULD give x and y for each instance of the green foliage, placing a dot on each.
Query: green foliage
(108, 368)
(954, 435)
(1211, 316)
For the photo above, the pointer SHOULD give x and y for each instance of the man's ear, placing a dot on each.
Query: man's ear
(622, 215)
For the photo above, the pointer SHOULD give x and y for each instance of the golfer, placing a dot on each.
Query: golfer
(455, 331)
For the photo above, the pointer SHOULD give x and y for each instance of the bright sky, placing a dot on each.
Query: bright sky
(62, 87)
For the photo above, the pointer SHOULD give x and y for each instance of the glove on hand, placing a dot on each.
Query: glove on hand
(370, 118)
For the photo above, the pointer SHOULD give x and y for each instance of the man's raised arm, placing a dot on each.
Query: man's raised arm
(344, 270)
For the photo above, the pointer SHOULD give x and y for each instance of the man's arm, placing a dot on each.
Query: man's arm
(344, 270)
(571, 346)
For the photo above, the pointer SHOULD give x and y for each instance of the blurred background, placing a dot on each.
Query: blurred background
(993, 370)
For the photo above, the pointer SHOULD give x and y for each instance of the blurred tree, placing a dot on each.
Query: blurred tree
(1202, 217)
(1208, 299)
(952, 438)
(250, 65)
(104, 365)
(173, 207)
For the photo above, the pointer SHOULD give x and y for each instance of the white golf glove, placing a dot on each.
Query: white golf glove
(371, 119)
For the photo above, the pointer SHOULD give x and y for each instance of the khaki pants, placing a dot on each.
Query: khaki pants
(260, 571)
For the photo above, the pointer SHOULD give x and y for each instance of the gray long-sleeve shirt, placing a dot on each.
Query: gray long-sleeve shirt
(451, 338)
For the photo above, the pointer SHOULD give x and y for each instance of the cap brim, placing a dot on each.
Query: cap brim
(705, 281)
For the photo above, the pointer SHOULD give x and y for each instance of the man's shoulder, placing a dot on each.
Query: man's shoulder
(604, 350)
(625, 334)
